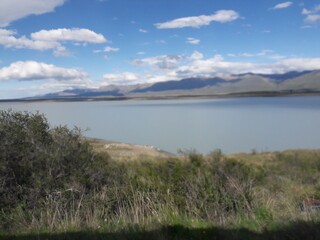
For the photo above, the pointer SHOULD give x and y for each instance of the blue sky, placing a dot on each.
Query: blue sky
(53, 45)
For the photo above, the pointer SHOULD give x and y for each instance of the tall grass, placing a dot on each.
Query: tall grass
(194, 191)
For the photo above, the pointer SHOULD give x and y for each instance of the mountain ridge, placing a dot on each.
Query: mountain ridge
(248, 82)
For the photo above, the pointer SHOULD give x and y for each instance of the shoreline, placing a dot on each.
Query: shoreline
(174, 97)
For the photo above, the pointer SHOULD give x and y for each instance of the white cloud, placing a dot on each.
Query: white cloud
(196, 56)
(8, 39)
(312, 16)
(110, 49)
(191, 40)
(221, 16)
(160, 62)
(247, 55)
(61, 51)
(217, 66)
(261, 53)
(267, 54)
(282, 5)
(306, 12)
(31, 70)
(45, 40)
(314, 10)
(64, 34)
(295, 64)
(121, 78)
(264, 52)
(143, 30)
(276, 57)
(12, 10)
(195, 65)
(107, 49)
(141, 53)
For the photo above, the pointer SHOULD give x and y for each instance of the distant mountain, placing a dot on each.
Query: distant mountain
(279, 77)
(249, 82)
(83, 93)
(184, 84)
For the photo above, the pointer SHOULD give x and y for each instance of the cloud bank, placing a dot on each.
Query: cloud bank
(177, 67)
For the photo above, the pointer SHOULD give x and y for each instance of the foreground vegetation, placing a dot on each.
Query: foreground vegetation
(55, 185)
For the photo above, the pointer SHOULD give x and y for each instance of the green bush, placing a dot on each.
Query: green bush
(36, 161)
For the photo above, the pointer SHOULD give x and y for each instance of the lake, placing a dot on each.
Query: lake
(232, 124)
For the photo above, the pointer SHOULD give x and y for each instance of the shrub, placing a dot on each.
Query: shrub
(36, 161)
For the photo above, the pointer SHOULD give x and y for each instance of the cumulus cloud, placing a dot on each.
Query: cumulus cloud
(282, 5)
(12, 10)
(8, 39)
(160, 62)
(191, 40)
(45, 40)
(64, 34)
(31, 70)
(221, 16)
(121, 78)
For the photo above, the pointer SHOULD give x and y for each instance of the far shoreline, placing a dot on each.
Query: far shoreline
(173, 97)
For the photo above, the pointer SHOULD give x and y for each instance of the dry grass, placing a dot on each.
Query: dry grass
(128, 152)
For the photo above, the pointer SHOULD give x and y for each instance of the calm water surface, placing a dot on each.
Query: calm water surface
(233, 125)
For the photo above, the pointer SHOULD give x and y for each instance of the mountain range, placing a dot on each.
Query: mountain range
(306, 81)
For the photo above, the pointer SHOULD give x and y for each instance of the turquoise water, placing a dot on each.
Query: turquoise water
(233, 125)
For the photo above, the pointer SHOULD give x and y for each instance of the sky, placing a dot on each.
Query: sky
(54, 45)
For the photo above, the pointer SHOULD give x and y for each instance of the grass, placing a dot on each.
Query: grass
(245, 196)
